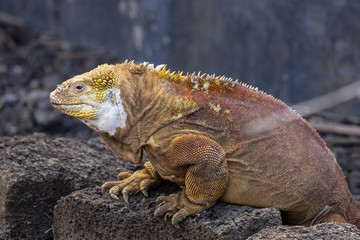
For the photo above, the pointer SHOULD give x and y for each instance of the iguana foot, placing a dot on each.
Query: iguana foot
(129, 184)
(178, 207)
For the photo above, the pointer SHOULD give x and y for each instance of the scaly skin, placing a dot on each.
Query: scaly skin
(217, 139)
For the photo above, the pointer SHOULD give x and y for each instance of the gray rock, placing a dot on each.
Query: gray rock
(35, 172)
(86, 214)
(328, 231)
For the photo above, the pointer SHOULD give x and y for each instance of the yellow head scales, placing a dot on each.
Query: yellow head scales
(99, 81)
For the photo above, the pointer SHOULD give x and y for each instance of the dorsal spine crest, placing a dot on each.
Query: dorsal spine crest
(208, 84)
(199, 82)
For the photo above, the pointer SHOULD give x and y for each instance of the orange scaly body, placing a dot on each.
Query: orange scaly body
(216, 138)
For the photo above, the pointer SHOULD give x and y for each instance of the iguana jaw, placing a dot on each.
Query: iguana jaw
(77, 110)
(72, 106)
(105, 117)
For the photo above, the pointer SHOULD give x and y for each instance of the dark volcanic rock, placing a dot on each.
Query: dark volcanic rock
(35, 172)
(329, 231)
(86, 214)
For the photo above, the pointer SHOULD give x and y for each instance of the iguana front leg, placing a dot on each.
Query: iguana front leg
(203, 162)
(194, 162)
(141, 180)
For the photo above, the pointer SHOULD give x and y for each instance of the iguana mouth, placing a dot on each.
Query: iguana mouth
(59, 105)
(71, 107)
(70, 104)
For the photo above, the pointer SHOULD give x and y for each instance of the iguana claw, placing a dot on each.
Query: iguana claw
(114, 197)
(145, 192)
(161, 203)
(126, 197)
(169, 215)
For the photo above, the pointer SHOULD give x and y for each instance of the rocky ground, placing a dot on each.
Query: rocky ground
(37, 173)
(38, 170)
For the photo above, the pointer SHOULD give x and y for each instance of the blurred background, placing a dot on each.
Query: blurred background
(295, 50)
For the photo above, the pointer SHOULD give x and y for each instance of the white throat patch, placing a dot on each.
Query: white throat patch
(111, 114)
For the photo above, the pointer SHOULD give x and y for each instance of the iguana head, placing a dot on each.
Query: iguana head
(94, 98)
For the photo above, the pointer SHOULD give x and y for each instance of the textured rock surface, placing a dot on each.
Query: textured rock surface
(36, 171)
(329, 231)
(86, 214)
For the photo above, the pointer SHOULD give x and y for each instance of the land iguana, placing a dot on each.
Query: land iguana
(216, 138)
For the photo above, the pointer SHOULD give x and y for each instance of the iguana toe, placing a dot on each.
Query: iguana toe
(123, 175)
(179, 217)
(129, 190)
(130, 184)
(163, 199)
(177, 207)
(165, 208)
(169, 215)
(114, 190)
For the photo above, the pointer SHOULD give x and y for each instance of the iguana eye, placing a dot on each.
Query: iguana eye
(79, 87)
